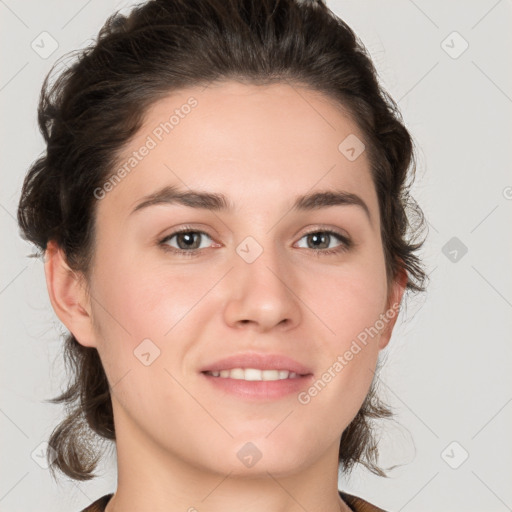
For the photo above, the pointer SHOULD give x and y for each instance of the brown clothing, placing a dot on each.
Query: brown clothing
(355, 503)
(358, 504)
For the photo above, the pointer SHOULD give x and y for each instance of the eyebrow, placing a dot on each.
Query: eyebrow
(219, 202)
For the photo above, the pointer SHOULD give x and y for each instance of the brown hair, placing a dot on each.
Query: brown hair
(95, 106)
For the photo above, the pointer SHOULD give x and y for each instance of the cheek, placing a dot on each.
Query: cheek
(141, 302)
(349, 299)
(145, 301)
(350, 302)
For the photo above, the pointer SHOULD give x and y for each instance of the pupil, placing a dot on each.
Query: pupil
(189, 240)
(322, 238)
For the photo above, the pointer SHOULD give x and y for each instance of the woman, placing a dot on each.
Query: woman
(223, 210)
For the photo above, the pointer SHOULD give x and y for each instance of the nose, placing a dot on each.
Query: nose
(262, 294)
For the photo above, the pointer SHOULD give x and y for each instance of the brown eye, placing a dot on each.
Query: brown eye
(186, 241)
(326, 242)
(319, 240)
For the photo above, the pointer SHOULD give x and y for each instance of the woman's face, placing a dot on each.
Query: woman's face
(274, 275)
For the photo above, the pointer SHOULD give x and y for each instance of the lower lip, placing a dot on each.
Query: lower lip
(259, 389)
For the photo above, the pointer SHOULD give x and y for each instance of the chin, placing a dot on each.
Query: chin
(268, 452)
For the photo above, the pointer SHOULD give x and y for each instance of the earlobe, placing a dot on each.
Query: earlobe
(393, 305)
(68, 295)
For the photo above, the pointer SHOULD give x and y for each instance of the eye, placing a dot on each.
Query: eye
(185, 241)
(189, 242)
(320, 242)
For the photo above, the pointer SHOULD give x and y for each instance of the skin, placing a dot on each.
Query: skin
(177, 436)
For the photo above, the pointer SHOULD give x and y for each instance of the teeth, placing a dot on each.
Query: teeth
(254, 374)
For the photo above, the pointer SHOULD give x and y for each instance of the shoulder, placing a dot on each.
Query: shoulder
(99, 505)
(358, 504)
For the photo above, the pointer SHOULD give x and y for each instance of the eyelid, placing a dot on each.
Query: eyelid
(343, 237)
(184, 229)
(326, 229)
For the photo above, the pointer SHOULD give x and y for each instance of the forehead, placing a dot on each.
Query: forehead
(232, 119)
(249, 142)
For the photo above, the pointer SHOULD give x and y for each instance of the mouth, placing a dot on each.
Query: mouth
(254, 374)
(257, 376)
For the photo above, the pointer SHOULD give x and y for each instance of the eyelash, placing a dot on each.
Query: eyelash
(346, 243)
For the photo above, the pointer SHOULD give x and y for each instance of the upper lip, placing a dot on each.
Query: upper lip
(259, 361)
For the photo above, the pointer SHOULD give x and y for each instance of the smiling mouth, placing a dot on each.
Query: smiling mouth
(254, 374)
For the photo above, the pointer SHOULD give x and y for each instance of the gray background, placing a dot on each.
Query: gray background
(447, 371)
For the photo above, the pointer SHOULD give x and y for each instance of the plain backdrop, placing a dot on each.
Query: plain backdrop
(447, 372)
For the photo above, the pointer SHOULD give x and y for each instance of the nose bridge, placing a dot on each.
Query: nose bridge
(260, 290)
(261, 263)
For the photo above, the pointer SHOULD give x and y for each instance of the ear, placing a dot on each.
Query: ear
(68, 295)
(392, 306)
